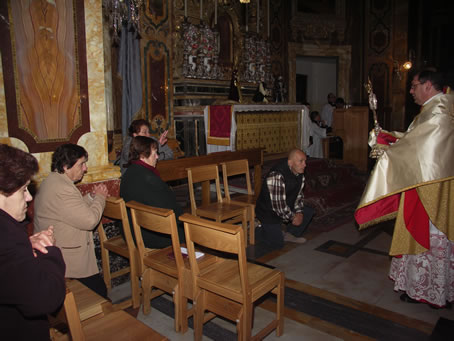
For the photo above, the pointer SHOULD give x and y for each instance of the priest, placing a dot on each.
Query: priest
(413, 182)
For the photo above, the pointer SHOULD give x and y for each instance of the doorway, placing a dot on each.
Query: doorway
(315, 77)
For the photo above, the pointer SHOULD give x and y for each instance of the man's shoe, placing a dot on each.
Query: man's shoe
(288, 237)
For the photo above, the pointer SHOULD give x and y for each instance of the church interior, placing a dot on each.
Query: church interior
(231, 79)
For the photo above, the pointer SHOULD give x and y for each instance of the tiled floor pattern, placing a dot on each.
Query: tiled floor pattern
(343, 265)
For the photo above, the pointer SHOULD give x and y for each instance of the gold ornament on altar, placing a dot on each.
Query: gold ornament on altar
(377, 150)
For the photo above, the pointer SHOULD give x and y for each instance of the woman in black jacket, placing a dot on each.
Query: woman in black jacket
(32, 270)
(142, 183)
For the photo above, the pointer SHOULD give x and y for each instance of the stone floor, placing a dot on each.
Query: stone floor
(343, 266)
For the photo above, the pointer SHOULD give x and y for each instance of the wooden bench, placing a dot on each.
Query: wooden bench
(171, 170)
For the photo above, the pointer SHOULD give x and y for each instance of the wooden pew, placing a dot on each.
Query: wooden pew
(176, 169)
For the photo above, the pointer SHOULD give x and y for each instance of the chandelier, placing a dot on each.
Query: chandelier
(244, 1)
(123, 13)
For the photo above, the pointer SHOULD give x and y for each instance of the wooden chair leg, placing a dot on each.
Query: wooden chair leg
(280, 307)
(251, 224)
(247, 321)
(240, 326)
(146, 291)
(199, 311)
(106, 268)
(177, 304)
(244, 224)
(135, 287)
(184, 315)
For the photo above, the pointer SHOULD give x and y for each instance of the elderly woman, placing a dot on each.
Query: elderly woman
(141, 127)
(32, 269)
(142, 183)
(74, 217)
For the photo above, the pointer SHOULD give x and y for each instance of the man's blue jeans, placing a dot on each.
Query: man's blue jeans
(272, 233)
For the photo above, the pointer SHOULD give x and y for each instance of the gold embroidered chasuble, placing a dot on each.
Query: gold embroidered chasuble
(422, 158)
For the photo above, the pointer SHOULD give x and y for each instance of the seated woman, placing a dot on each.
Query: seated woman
(141, 127)
(74, 217)
(142, 183)
(32, 269)
(318, 132)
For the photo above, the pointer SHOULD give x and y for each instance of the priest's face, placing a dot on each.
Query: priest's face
(419, 91)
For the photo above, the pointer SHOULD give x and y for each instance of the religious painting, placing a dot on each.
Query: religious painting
(156, 80)
(44, 65)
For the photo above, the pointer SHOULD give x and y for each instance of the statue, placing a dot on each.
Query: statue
(261, 93)
(279, 90)
(235, 91)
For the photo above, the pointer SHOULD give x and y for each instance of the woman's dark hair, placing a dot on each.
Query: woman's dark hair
(141, 146)
(135, 126)
(66, 155)
(16, 168)
(313, 115)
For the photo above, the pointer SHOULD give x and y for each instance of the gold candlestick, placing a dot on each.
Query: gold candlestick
(376, 151)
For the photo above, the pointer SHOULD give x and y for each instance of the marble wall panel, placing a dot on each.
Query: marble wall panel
(95, 142)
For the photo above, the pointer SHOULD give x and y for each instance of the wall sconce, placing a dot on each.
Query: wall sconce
(397, 67)
(407, 65)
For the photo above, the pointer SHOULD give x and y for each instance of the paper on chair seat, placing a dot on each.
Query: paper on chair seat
(184, 251)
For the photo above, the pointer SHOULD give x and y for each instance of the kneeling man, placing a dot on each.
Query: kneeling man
(281, 201)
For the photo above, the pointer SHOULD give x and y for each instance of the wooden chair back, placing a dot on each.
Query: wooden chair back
(116, 209)
(203, 174)
(232, 168)
(216, 236)
(72, 317)
(241, 167)
(235, 284)
(161, 220)
(163, 270)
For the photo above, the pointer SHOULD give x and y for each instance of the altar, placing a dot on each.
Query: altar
(275, 127)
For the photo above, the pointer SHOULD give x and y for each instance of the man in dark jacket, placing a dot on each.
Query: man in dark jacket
(281, 202)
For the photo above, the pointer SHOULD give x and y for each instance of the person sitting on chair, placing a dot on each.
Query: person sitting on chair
(142, 183)
(141, 127)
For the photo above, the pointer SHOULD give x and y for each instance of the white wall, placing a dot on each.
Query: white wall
(321, 78)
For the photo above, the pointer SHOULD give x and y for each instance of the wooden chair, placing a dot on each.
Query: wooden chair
(164, 270)
(231, 288)
(241, 167)
(117, 325)
(116, 209)
(222, 209)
